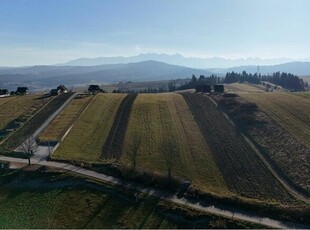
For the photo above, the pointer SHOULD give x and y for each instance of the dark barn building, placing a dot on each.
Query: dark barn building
(218, 88)
(62, 89)
(94, 89)
(54, 92)
(203, 88)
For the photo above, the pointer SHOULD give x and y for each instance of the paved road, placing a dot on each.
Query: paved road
(160, 194)
(43, 151)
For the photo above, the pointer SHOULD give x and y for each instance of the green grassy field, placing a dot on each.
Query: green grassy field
(290, 110)
(158, 117)
(56, 200)
(86, 139)
(57, 128)
(212, 155)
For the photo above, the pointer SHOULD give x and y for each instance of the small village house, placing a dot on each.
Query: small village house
(59, 90)
(94, 89)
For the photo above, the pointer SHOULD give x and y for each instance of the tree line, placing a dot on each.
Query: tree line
(202, 80)
(286, 80)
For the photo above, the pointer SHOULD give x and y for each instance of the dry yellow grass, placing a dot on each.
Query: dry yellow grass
(17, 106)
(158, 117)
(290, 110)
(242, 88)
(87, 137)
(4, 100)
(57, 128)
(303, 94)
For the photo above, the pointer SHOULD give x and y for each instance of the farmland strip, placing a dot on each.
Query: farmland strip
(19, 106)
(57, 128)
(34, 123)
(243, 171)
(114, 143)
(158, 117)
(290, 111)
(288, 155)
(84, 141)
(4, 100)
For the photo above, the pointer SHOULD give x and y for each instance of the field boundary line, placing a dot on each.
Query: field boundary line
(71, 126)
(7, 137)
(53, 115)
(49, 119)
(282, 181)
(107, 149)
(287, 187)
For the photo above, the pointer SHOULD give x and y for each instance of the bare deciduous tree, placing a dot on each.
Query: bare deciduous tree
(170, 152)
(133, 150)
(29, 147)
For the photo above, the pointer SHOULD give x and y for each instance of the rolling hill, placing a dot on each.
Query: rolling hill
(46, 77)
(178, 59)
(38, 77)
(298, 68)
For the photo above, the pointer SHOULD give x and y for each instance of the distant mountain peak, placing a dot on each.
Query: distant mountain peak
(178, 59)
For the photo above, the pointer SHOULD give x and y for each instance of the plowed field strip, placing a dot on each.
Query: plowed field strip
(243, 171)
(84, 142)
(114, 144)
(157, 117)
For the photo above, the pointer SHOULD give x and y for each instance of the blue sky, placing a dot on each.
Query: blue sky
(55, 31)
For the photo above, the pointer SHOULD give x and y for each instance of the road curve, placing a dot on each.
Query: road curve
(263, 220)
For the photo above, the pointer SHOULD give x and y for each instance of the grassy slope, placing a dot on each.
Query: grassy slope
(4, 100)
(286, 144)
(243, 171)
(86, 139)
(62, 201)
(303, 94)
(25, 131)
(239, 88)
(289, 110)
(15, 107)
(114, 144)
(57, 128)
(156, 117)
